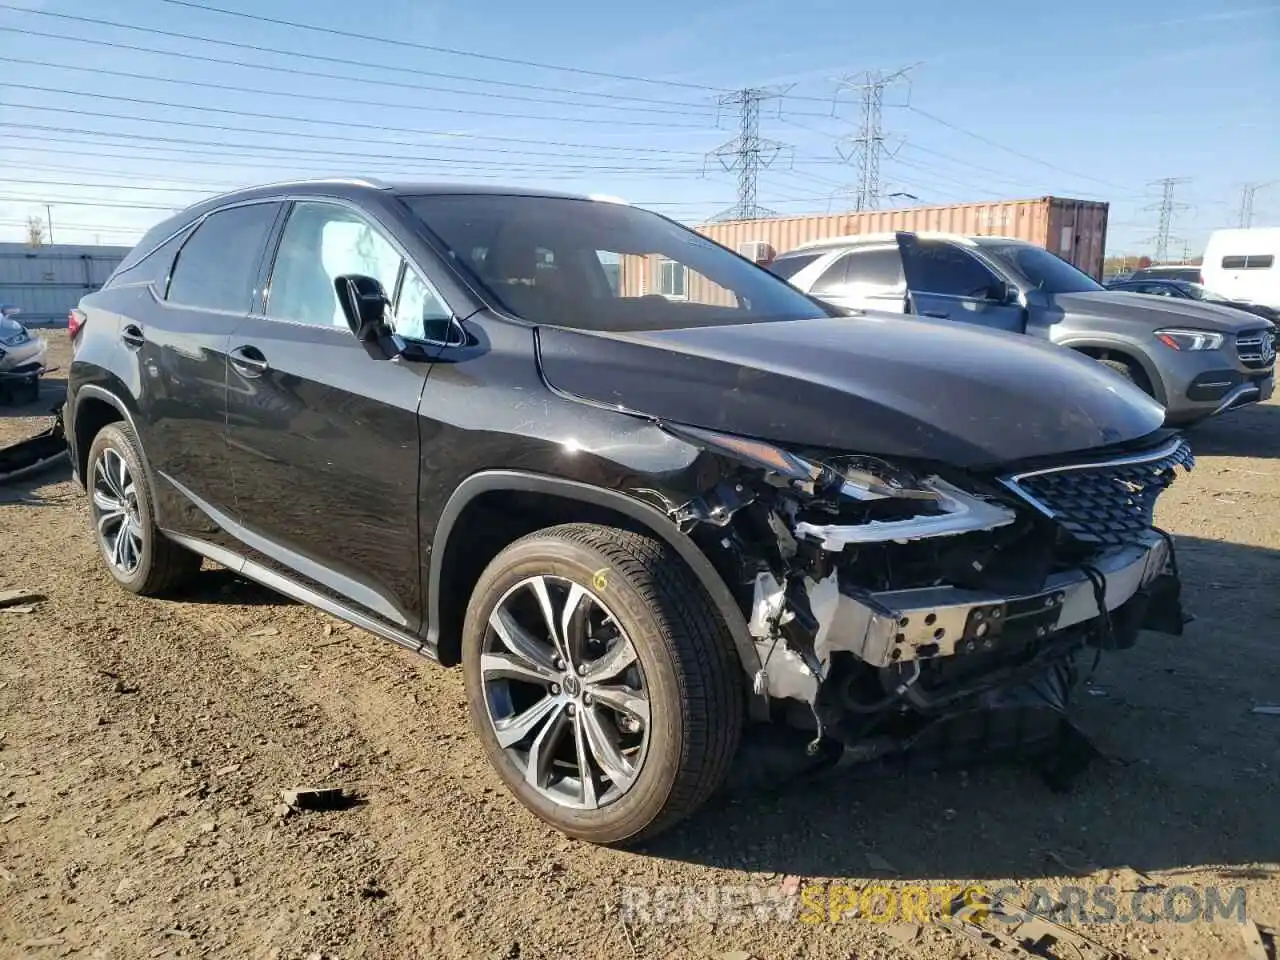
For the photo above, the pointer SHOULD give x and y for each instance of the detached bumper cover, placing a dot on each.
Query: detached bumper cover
(893, 627)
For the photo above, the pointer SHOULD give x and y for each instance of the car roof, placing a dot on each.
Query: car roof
(860, 239)
(355, 185)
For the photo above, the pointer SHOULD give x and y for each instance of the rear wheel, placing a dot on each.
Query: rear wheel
(601, 681)
(138, 556)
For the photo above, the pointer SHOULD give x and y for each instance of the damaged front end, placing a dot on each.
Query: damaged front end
(918, 610)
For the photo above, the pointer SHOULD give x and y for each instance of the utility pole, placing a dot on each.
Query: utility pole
(864, 150)
(748, 153)
(48, 220)
(1167, 208)
(1247, 193)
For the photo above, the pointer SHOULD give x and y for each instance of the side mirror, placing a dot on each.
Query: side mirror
(364, 303)
(1002, 291)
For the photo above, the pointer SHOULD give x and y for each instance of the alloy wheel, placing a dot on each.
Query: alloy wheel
(115, 511)
(565, 692)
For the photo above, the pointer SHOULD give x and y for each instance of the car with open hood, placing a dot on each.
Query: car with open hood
(648, 526)
(1195, 357)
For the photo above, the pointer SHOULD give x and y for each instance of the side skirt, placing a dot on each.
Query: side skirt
(282, 584)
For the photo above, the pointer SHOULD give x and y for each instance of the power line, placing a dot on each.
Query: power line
(320, 136)
(149, 188)
(320, 58)
(1001, 175)
(1017, 153)
(431, 48)
(666, 107)
(69, 202)
(748, 152)
(361, 102)
(1167, 208)
(144, 101)
(243, 155)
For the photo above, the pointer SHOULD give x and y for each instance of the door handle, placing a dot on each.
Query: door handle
(936, 314)
(249, 361)
(132, 336)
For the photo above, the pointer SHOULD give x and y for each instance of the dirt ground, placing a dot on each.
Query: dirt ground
(144, 745)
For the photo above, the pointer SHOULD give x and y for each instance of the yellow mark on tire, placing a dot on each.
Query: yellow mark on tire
(600, 579)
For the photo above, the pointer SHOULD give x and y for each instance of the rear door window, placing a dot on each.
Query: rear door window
(217, 267)
(877, 270)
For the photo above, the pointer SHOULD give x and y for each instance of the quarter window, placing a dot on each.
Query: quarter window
(321, 242)
(420, 314)
(217, 267)
(155, 267)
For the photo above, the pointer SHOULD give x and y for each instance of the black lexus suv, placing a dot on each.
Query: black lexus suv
(648, 495)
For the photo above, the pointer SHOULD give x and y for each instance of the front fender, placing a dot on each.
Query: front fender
(1130, 349)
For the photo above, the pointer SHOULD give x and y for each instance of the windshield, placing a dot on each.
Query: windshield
(1041, 269)
(604, 266)
(1200, 292)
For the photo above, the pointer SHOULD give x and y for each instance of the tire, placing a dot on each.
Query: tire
(143, 561)
(1132, 373)
(685, 665)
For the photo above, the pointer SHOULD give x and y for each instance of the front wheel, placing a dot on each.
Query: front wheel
(601, 681)
(1131, 372)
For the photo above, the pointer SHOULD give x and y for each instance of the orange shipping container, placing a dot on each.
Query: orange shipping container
(1075, 230)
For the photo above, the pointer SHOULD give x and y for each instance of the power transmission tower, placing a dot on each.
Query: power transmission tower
(865, 149)
(748, 153)
(1167, 207)
(1246, 201)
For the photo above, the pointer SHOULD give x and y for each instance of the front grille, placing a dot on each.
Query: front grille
(1109, 502)
(1257, 348)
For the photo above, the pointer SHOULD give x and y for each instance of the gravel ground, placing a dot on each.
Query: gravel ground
(144, 744)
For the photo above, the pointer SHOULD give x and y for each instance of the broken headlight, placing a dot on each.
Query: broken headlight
(945, 510)
(856, 476)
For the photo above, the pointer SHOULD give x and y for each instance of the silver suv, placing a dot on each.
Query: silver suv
(1195, 358)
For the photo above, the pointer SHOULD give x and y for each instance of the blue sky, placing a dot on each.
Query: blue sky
(1007, 99)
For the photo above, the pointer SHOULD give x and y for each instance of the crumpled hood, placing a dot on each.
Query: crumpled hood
(869, 383)
(1153, 312)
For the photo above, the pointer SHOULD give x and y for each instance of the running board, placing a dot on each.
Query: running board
(272, 580)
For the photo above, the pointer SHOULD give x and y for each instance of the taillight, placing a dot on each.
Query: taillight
(75, 320)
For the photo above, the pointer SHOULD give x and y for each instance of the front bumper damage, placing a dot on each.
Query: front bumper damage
(895, 610)
(892, 628)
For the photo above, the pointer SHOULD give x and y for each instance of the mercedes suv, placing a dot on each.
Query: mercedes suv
(644, 524)
(1198, 359)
